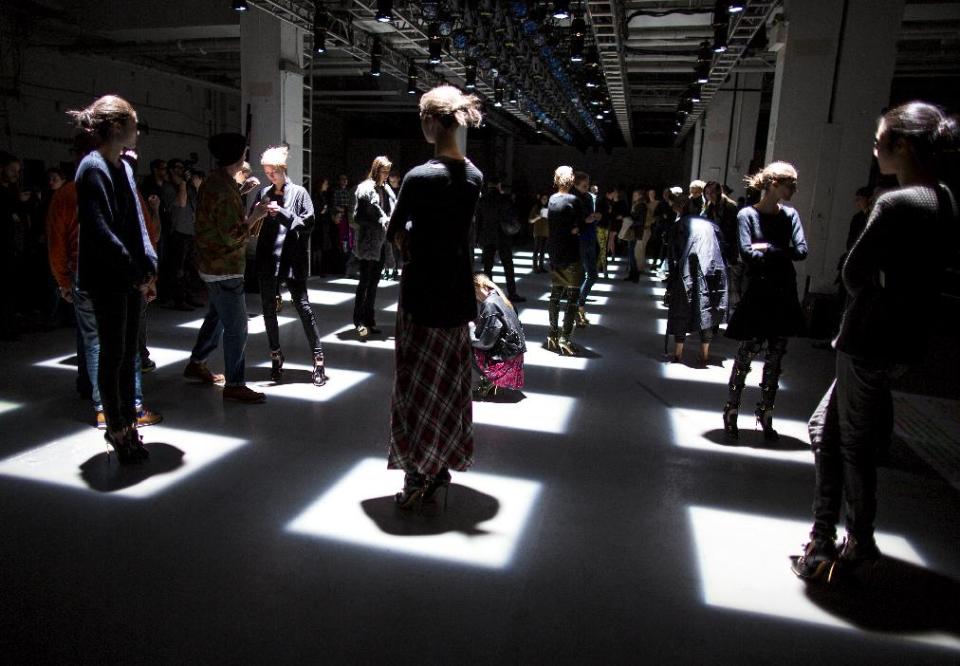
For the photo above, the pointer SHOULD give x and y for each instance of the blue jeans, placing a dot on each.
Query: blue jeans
(227, 319)
(588, 257)
(88, 347)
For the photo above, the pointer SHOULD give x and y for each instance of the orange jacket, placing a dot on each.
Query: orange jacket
(63, 233)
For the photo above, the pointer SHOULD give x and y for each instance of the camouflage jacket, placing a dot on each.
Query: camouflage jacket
(221, 239)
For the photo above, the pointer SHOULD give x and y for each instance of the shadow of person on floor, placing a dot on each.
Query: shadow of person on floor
(508, 396)
(467, 508)
(108, 476)
(891, 595)
(753, 439)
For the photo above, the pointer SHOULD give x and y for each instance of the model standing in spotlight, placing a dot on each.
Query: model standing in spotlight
(431, 409)
(566, 214)
(116, 262)
(771, 239)
(283, 255)
(887, 319)
(375, 200)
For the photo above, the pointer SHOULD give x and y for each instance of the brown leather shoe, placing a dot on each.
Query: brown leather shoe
(195, 370)
(147, 417)
(243, 394)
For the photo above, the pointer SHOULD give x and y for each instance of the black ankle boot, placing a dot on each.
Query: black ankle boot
(730, 421)
(765, 421)
(276, 366)
(319, 372)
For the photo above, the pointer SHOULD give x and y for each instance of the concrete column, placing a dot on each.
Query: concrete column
(833, 80)
(729, 132)
(272, 85)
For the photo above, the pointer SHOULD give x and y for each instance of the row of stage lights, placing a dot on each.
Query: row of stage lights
(721, 20)
(441, 27)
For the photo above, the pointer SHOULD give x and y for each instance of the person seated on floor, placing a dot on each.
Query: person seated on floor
(497, 340)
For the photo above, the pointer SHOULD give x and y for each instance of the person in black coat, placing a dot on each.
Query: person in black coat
(771, 239)
(283, 255)
(496, 217)
(696, 290)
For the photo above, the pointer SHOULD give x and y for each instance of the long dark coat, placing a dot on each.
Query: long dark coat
(697, 291)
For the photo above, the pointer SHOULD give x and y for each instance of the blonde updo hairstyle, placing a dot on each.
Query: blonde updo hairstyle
(451, 107)
(563, 178)
(96, 122)
(770, 174)
(276, 156)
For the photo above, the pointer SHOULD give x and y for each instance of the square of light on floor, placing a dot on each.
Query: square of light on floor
(7, 406)
(59, 462)
(537, 355)
(538, 317)
(597, 300)
(351, 339)
(255, 324)
(339, 515)
(393, 307)
(517, 270)
(755, 575)
(328, 297)
(539, 412)
(339, 381)
(602, 288)
(159, 355)
(690, 427)
(713, 374)
(353, 283)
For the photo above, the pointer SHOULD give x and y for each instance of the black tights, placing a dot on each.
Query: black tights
(118, 325)
(769, 382)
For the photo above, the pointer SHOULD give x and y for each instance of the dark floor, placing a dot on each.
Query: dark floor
(605, 521)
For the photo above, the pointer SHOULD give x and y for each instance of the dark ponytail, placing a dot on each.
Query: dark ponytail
(930, 132)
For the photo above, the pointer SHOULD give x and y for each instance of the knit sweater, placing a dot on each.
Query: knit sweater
(892, 302)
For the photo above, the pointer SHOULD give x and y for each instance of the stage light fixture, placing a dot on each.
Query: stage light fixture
(384, 11)
(593, 58)
(686, 106)
(376, 53)
(539, 124)
(695, 93)
(470, 75)
(576, 49)
(240, 5)
(561, 9)
(498, 93)
(591, 81)
(703, 72)
(578, 27)
(412, 80)
(599, 116)
(720, 38)
(513, 99)
(735, 7)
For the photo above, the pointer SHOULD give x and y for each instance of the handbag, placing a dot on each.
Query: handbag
(510, 227)
(625, 227)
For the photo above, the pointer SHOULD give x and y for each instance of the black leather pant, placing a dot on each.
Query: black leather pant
(769, 382)
(301, 301)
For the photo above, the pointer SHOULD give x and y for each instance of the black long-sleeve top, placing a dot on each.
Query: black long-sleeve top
(564, 213)
(891, 302)
(115, 254)
(435, 209)
(283, 242)
(784, 233)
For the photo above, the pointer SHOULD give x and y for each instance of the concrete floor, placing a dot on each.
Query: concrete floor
(605, 520)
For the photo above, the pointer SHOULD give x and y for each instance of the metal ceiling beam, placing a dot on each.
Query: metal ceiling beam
(606, 19)
(742, 28)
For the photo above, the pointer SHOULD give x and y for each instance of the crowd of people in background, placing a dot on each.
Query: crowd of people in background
(100, 247)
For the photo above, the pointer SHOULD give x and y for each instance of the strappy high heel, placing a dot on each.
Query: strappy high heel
(436, 484)
(567, 348)
(319, 373)
(730, 421)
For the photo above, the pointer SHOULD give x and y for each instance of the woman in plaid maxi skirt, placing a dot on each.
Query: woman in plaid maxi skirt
(431, 410)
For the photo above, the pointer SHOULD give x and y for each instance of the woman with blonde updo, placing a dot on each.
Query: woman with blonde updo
(771, 239)
(431, 410)
(283, 256)
(566, 213)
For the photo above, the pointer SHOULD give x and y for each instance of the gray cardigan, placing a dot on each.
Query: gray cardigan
(371, 219)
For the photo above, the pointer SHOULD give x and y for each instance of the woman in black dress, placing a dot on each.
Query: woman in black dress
(771, 239)
(565, 215)
(116, 263)
(886, 320)
(431, 409)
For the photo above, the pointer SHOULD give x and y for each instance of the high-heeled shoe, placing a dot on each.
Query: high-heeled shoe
(765, 421)
(319, 373)
(552, 344)
(566, 346)
(730, 422)
(436, 484)
(484, 390)
(122, 446)
(582, 321)
(276, 366)
(414, 486)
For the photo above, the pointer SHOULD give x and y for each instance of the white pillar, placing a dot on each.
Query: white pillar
(272, 85)
(833, 80)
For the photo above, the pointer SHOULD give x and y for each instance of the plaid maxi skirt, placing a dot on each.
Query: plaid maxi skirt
(431, 413)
